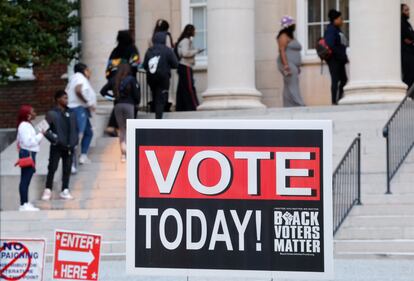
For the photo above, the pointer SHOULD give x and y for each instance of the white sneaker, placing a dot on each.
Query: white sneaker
(123, 158)
(83, 159)
(47, 194)
(73, 169)
(65, 194)
(28, 207)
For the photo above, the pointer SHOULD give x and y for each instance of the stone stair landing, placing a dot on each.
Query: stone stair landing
(382, 227)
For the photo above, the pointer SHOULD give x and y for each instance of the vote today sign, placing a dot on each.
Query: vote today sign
(22, 259)
(76, 255)
(230, 198)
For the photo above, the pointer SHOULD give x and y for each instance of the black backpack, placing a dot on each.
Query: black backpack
(323, 50)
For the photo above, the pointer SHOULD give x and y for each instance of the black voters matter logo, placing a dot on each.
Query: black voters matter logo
(297, 232)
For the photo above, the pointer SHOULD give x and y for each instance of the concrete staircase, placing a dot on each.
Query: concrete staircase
(382, 226)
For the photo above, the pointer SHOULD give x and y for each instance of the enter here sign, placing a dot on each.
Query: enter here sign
(76, 255)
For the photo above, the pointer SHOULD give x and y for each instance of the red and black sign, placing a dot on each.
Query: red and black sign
(234, 199)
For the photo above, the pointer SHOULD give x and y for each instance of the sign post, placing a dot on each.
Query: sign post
(22, 259)
(76, 255)
(230, 198)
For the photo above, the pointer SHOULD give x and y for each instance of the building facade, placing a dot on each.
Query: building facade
(373, 27)
(238, 67)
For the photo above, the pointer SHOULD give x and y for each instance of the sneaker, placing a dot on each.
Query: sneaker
(83, 159)
(73, 170)
(47, 194)
(65, 194)
(28, 207)
(123, 158)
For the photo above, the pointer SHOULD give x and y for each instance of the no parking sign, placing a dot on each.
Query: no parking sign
(22, 259)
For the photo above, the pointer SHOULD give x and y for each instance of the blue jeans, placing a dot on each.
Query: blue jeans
(84, 127)
(26, 176)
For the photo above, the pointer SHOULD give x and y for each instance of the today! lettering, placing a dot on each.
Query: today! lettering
(219, 233)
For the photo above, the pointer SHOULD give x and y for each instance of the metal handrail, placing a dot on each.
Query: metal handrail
(346, 183)
(145, 90)
(399, 135)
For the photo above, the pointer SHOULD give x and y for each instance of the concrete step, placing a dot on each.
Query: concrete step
(394, 199)
(379, 221)
(397, 248)
(87, 183)
(107, 235)
(90, 225)
(85, 214)
(383, 209)
(92, 203)
(118, 192)
(375, 232)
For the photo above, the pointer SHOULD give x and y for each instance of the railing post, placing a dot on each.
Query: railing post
(388, 163)
(359, 169)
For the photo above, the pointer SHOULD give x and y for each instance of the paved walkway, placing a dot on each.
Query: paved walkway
(345, 270)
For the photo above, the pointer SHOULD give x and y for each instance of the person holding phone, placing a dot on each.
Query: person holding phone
(28, 144)
(186, 93)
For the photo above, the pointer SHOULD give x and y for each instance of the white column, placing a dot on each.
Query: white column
(100, 22)
(231, 56)
(375, 68)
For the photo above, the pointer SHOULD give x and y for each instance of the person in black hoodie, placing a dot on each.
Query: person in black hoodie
(124, 52)
(407, 46)
(63, 137)
(158, 61)
(337, 41)
(127, 96)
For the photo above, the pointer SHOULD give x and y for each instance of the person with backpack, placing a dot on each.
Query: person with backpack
(126, 92)
(337, 43)
(63, 137)
(158, 62)
(124, 52)
(186, 92)
(407, 46)
(289, 62)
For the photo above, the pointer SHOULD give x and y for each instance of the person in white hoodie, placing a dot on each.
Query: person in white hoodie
(186, 92)
(28, 144)
(82, 100)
